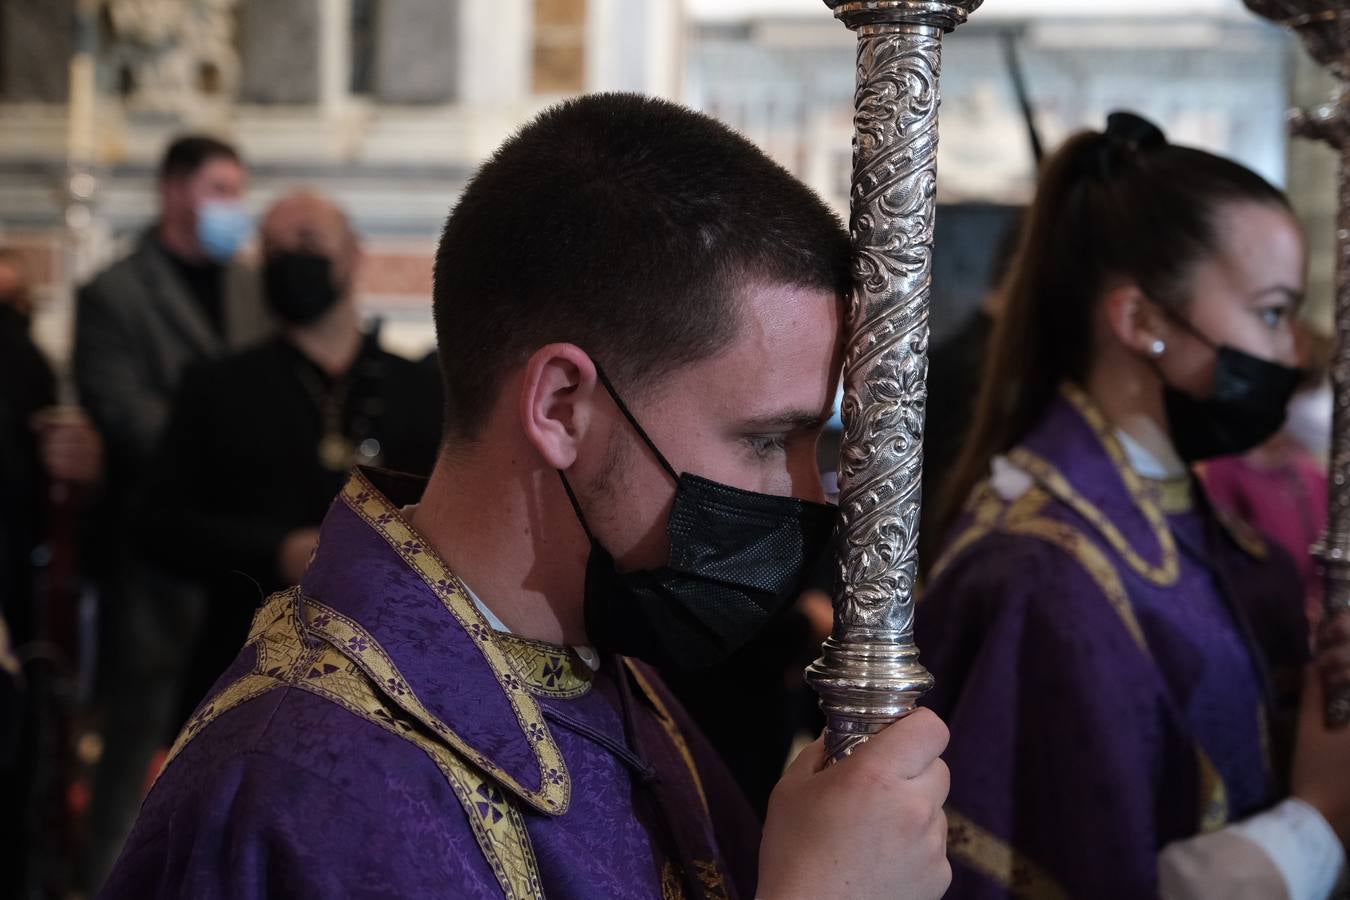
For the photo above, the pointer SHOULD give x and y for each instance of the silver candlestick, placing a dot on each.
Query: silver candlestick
(868, 674)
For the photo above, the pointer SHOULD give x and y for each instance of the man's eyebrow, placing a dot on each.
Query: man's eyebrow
(787, 420)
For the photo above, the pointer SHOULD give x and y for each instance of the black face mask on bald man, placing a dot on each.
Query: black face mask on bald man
(737, 559)
(298, 287)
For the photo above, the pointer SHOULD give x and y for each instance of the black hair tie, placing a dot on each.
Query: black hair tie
(1125, 138)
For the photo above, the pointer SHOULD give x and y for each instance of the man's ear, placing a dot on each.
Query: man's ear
(557, 399)
(171, 191)
(1134, 320)
(352, 262)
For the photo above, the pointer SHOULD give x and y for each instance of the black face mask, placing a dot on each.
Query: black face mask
(1247, 406)
(737, 559)
(298, 287)
(12, 321)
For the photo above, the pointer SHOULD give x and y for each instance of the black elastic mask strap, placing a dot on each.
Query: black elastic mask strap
(632, 420)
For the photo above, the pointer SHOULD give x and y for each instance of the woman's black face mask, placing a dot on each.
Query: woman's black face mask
(1246, 407)
(737, 559)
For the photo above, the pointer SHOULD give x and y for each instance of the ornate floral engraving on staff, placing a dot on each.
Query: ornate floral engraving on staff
(1324, 26)
(869, 674)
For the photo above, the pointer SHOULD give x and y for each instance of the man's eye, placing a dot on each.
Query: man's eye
(765, 446)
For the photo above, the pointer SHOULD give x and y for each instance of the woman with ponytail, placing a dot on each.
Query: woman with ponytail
(1120, 667)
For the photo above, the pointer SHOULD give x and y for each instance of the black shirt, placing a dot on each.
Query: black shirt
(205, 281)
(26, 386)
(240, 469)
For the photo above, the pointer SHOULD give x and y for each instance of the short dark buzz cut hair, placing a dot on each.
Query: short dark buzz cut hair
(188, 153)
(628, 226)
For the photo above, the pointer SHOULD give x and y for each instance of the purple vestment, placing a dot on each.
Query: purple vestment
(1119, 670)
(376, 738)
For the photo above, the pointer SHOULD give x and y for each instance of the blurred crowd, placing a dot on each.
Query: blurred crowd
(218, 403)
(215, 410)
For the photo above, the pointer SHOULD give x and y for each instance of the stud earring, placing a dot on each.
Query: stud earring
(1157, 348)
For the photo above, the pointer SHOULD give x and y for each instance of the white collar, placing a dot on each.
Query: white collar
(587, 654)
(1144, 463)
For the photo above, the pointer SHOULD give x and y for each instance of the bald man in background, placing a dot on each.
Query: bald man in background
(259, 443)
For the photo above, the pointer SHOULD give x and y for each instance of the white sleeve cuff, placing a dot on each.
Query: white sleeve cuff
(1300, 844)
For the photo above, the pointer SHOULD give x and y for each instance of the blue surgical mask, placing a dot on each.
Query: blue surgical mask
(222, 227)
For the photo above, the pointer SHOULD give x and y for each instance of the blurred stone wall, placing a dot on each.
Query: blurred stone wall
(387, 105)
(35, 46)
(1221, 83)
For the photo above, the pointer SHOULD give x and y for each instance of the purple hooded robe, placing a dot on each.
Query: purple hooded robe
(376, 738)
(1118, 666)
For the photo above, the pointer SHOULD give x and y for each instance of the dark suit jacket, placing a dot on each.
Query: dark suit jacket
(239, 470)
(27, 384)
(136, 328)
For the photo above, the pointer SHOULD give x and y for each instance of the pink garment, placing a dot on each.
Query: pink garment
(1284, 496)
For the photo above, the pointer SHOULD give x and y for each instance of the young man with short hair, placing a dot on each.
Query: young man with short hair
(639, 322)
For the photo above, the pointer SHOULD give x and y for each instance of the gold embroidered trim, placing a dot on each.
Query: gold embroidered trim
(276, 658)
(1073, 542)
(989, 513)
(993, 857)
(985, 509)
(547, 670)
(1168, 569)
(1030, 504)
(1246, 537)
(8, 661)
(708, 875)
(710, 878)
(369, 504)
(1164, 574)
(237, 693)
(1213, 800)
(356, 644)
(959, 545)
(497, 824)
(672, 729)
(284, 660)
(672, 887)
(1171, 495)
(1094, 562)
(1213, 794)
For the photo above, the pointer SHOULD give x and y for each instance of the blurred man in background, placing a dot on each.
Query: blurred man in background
(241, 513)
(28, 385)
(47, 453)
(177, 298)
(40, 443)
